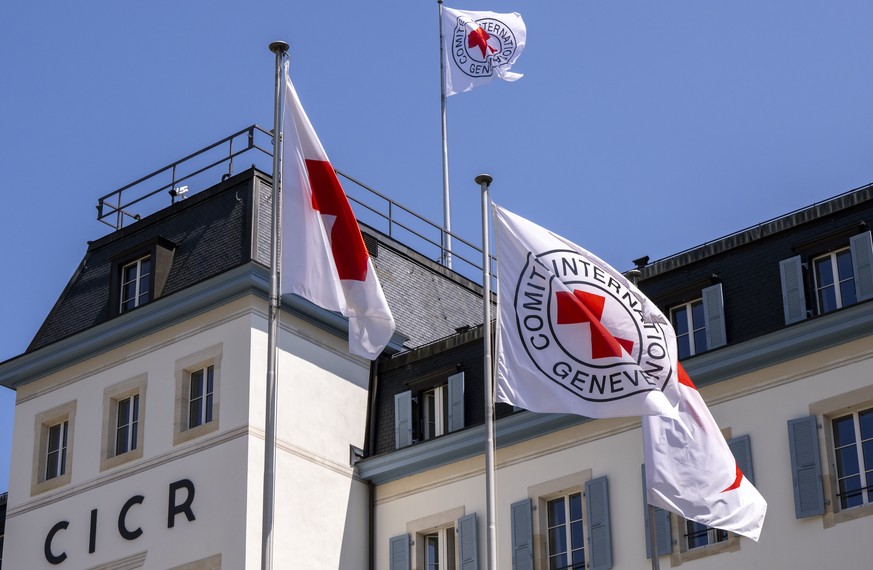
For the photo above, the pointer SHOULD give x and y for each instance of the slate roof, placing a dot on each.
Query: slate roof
(228, 225)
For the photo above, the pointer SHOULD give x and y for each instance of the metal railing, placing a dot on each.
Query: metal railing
(199, 170)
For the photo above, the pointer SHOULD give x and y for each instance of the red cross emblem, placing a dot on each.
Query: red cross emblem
(582, 307)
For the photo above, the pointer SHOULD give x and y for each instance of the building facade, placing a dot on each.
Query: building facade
(139, 418)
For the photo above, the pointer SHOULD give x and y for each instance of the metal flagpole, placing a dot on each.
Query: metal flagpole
(447, 215)
(280, 49)
(653, 539)
(484, 181)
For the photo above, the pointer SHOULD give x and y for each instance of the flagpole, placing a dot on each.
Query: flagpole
(447, 215)
(280, 49)
(484, 181)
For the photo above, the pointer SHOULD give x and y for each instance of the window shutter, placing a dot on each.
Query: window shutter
(793, 296)
(741, 447)
(599, 540)
(805, 467)
(402, 419)
(862, 263)
(456, 401)
(713, 315)
(522, 535)
(663, 531)
(468, 552)
(399, 552)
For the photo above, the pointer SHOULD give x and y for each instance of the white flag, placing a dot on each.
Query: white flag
(691, 471)
(480, 46)
(575, 336)
(324, 258)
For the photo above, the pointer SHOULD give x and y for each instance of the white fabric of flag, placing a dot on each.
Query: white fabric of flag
(691, 471)
(479, 46)
(324, 258)
(575, 336)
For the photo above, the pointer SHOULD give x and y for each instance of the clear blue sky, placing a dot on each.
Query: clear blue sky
(639, 128)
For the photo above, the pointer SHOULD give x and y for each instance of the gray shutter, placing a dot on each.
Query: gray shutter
(713, 316)
(402, 419)
(862, 263)
(599, 539)
(663, 531)
(741, 447)
(793, 296)
(399, 552)
(522, 535)
(468, 542)
(456, 401)
(805, 467)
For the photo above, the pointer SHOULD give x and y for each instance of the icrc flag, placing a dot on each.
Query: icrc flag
(324, 258)
(575, 336)
(691, 471)
(480, 46)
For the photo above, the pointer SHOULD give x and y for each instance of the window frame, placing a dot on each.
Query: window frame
(691, 328)
(43, 423)
(541, 494)
(160, 253)
(435, 524)
(184, 369)
(865, 472)
(141, 280)
(566, 526)
(113, 395)
(837, 280)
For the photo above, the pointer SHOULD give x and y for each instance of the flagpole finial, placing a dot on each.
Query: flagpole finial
(279, 47)
(485, 179)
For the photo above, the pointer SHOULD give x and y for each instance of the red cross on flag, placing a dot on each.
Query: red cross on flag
(575, 335)
(479, 46)
(324, 258)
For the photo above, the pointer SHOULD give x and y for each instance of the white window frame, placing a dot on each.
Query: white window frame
(139, 279)
(434, 404)
(689, 321)
(446, 550)
(437, 524)
(547, 491)
(187, 367)
(837, 282)
(64, 416)
(131, 389)
(865, 478)
(571, 548)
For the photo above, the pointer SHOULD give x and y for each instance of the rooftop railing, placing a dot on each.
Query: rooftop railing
(254, 146)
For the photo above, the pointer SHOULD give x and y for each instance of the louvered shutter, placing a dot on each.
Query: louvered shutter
(468, 551)
(663, 531)
(805, 467)
(862, 263)
(793, 295)
(402, 419)
(741, 447)
(522, 535)
(399, 552)
(456, 401)
(599, 539)
(713, 316)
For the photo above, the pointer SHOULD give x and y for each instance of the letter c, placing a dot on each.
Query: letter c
(49, 555)
(122, 528)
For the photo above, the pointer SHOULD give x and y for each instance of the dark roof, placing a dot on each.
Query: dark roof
(228, 225)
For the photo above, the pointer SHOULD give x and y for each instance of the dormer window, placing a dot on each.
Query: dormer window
(135, 284)
(139, 275)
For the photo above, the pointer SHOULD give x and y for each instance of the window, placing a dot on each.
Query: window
(566, 548)
(834, 281)
(198, 386)
(853, 452)
(439, 550)
(56, 454)
(690, 328)
(123, 422)
(201, 396)
(565, 524)
(435, 409)
(698, 535)
(839, 278)
(53, 448)
(135, 283)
